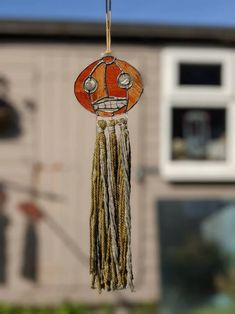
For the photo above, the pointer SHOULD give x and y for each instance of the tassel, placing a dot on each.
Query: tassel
(124, 211)
(112, 257)
(99, 209)
(110, 220)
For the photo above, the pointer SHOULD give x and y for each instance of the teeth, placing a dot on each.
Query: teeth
(110, 105)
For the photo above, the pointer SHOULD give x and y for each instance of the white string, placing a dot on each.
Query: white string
(108, 26)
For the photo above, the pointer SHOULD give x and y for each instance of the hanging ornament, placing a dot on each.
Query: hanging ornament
(110, 87)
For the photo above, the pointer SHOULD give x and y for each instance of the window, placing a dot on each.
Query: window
(198, 134)
(197, 249)
(197, 115)
(200, 74)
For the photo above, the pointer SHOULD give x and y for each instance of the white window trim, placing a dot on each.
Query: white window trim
(178, 96)
(172, 57)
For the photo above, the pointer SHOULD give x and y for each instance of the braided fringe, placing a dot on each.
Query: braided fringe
(110, 220)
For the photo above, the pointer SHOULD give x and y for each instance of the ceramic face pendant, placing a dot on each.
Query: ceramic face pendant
(108, 87)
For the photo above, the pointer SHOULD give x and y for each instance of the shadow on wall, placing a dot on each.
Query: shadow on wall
(30, 252)
(4, 222)
(9, 128)
(9, 117)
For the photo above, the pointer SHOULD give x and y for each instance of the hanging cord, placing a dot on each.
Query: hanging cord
(108, 26)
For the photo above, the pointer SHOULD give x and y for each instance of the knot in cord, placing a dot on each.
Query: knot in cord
(101, 126)
(111, 126)
(122, 123)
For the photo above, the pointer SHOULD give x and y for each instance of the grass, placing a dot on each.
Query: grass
(76, 309)
(208, 310)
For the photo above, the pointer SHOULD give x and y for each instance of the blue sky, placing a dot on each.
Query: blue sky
(195, 12)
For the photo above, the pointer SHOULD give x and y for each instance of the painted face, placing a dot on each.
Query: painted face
(108, 87)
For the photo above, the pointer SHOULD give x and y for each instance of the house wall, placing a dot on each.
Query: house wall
(60, 134)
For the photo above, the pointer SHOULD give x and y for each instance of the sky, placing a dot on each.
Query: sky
(191, 12)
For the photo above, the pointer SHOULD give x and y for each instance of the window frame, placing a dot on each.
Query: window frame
(178, 96)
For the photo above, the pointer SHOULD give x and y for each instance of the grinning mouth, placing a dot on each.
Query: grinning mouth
(110, 104)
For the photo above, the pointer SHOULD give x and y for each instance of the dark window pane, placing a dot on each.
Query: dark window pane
(198, 134)
(200, 74)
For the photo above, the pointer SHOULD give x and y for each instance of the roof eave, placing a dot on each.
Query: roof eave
(76, 30)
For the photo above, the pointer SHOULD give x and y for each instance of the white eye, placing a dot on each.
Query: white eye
(90, 85)
(125, 80)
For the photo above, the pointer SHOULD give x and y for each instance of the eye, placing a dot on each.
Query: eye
(125, 80)
(90, 85)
